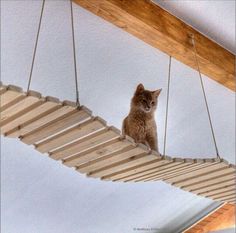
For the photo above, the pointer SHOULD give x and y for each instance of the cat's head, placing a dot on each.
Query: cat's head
(145, 100)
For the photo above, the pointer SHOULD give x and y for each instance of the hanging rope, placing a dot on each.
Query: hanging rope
(74, 55)
(204, 94)
(35, 46)
(167, 106)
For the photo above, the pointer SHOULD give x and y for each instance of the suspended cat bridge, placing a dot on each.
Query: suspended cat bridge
(81, 141)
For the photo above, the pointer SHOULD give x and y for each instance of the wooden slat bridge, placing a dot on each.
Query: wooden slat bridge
(86, 143)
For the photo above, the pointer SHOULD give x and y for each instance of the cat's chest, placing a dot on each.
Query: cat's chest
(143, 124)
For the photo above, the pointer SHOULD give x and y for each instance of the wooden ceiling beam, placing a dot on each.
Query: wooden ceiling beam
(160, 29)
(220, 219)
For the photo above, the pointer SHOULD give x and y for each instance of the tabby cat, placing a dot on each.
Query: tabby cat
(140, 123)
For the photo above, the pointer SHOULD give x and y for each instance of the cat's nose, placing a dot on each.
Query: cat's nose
(147, 108)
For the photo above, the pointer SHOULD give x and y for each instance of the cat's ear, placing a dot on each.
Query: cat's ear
(140, 88)
(157, 92)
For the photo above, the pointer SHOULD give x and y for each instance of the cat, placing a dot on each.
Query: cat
(140, 123)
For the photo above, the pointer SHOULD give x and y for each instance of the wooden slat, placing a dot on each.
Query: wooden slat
(226, 198)
(53, 127)
(157, 167)
(33, 122)
(225, 194)
(178, 172)
(161, 174)
(45, 104)
(116, 175)
(107, 172)
(229, 185)
(71, 148)
(152, 172)
(28, 127)
(222, 193)
(160, 29)
(110, 159)
(3, 89)
(214, 189)
(208, 187)
(231, 200)
(205, 177)
(104, 149)
(19, 106)
(136, 160)
(74, 133)
(12, 95)
(197, 173)
(86, 143)
(45, 116)
(211, 182)
(18, 109)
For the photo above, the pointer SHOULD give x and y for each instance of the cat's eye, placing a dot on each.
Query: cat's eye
(152, 103)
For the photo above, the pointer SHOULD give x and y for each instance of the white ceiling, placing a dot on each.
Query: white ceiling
(213, 18)
(43, 196)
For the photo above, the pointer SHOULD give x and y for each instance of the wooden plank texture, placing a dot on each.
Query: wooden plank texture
(220, 219)
(75, 133)
(155, 171)
(90, 143)
(165, 175)
(3, 89)
(116, 174)
(28, 127)
(29, 102)
(104, 149)
(156, 167)
(204, 177)
(220, 179)
(229, 198)
(56, 126)
(110, 159)
(45, 104)
(186, 177)
(189, 169)
(10, 96)
(214, 189)
(107, 172)
(160, 29)
(222, 194)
